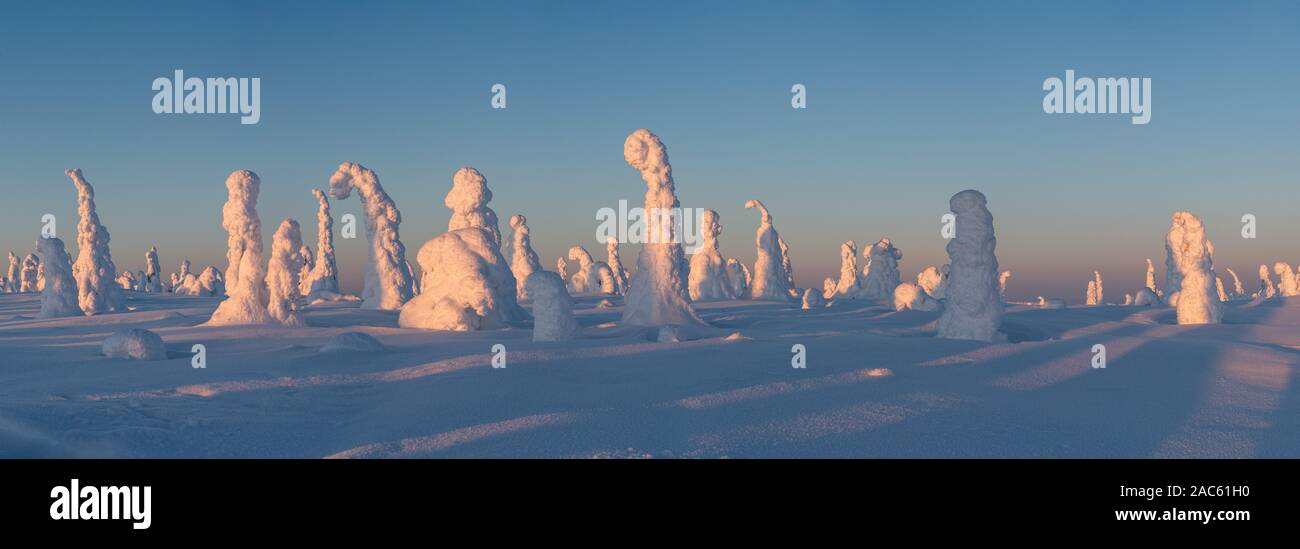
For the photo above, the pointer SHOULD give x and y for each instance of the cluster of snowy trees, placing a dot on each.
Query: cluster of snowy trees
(461, 279)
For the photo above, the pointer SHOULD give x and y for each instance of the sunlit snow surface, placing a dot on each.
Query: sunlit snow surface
(877, 384)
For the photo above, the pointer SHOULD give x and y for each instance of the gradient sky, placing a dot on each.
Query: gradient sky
(908, 103)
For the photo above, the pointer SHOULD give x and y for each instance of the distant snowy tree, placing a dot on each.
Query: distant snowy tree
(880, 276)
(1286, 285)
(324, 278)
(467, 285)
(153, 273)
(910, 296)
(1266, 288)
(1003, 277)
(27, 280)
(468, 200)
(523, 260)
(621, 276)
(14, 274)
(553, 318)
(812, 299)
(934, 281)
(849, 286)
(1237, 290)
(739, 276)
(592, 276)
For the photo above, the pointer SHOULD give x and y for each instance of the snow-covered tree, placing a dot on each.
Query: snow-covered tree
(387, 282)
(1218, 286)
(738, 275)
(1146, 298)
(468, 201)
(849, 286)
(523, 260)
(934, 281)
(1237, 290)
(29, 275)
(282, 274)
(1266, 288)
(94, 269)
(592, 276)
(553, 318)
(1096, 294)
(14, 273)
(211, 282)
(1090, 296)
(1128, 299)
(812, 299)
(1193, 280)
(973, 309)
(324, 278)
(562, 268)
(153, 272)
(307, 259)
(657, 294)
(773, 276)
(245, 276)
(59, 296)
(616, 265)
(1286, 285)
(127, 281)
(910, 296)
(1003, 277)
(1151, 278)
(880, 276)
(708, 272)
(467, 285)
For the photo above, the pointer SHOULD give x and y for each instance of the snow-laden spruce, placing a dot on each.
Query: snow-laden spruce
(1193, 277)
(94, 269)
(1151, 278)
(245, 276)
(592, 277)
(739, 276)
(828, 288)
(562, 268)
(523, 260)
(1003, 277)
(468, 201)
(934, 281)
(387, 281)
(1286, 280)
(324, 278)
(126, 281)
(553, 318)
(773, 273)
(1218, 286)
(849, 286)
(910, 296)
(152, 272)
(282, 274)
(13, 273)
(59, 296)
(708, 273)
(615, 262)
(30, 274)
(972, 309)
(211, 282)
(880, 275)
(467, 285)
(657, 294)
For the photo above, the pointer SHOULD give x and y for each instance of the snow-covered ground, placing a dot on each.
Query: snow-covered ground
(877, 384)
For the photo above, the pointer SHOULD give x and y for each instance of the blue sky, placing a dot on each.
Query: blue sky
(908, 103)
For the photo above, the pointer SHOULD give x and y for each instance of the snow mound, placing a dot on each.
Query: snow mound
(1146, 298)
(135, 344)
(467, 285)
(553, 318)
(353, 341)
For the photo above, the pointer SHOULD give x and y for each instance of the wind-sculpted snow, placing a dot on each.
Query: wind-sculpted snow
(387, 282)
(657, 294)
(94, 269)
(973, 309)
